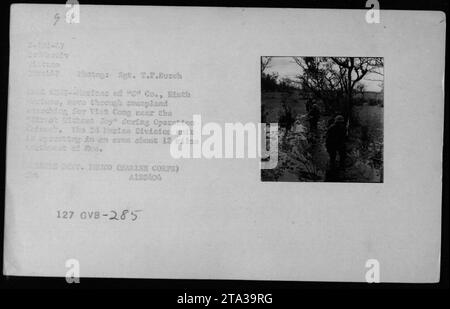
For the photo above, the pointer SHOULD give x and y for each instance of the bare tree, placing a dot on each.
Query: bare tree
(319, 78)
(331, 78)
(265, 63)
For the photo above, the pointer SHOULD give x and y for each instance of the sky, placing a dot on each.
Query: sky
(286, 67)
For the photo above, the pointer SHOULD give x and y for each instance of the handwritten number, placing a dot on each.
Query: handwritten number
(115, 216)
(124, 214)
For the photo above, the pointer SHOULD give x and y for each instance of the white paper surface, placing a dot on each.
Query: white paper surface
(215, 218)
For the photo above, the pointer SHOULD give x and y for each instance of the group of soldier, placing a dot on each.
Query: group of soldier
(336, 132)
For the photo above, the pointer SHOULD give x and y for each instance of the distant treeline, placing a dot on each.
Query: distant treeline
(271, 82)
(370, 97)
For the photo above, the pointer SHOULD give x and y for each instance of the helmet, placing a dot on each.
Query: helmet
(339, 118)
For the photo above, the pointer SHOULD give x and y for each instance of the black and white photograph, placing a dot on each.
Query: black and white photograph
(329, 112)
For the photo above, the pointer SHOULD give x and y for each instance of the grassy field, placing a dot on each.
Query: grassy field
(272, 102)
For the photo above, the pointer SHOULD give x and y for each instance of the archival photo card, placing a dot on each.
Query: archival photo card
(224, 143)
